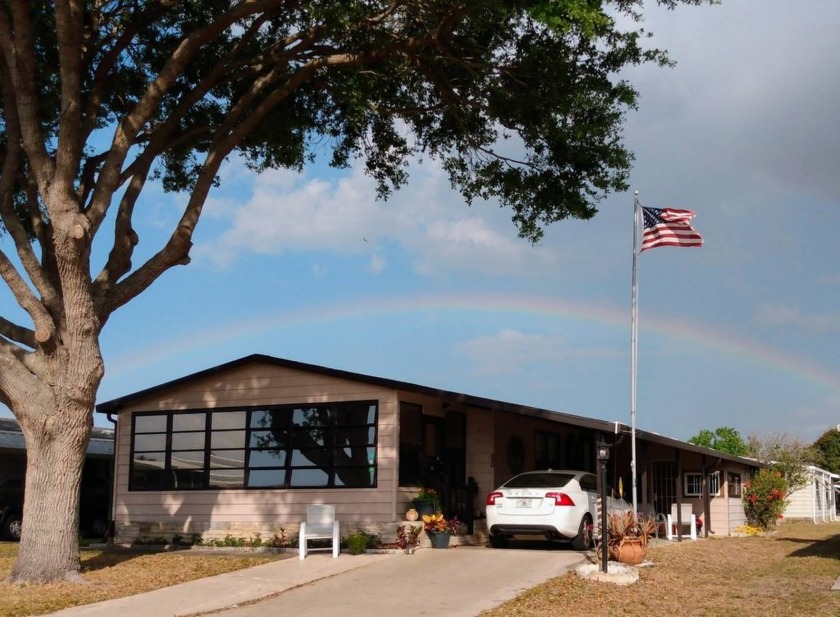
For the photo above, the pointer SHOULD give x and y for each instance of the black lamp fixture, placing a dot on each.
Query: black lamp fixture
(602, 451)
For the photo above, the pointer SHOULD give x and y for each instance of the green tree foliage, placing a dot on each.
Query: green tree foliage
(783, 453)
(827, 450)
(765, 497)
(723, 439)
(520, 101)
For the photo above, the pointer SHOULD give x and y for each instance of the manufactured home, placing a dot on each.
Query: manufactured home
(244, 447)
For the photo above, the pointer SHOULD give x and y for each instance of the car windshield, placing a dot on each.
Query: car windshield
(539, 480)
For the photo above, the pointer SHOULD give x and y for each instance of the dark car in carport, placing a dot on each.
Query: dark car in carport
(94, 521)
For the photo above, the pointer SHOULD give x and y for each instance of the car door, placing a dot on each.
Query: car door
(589, 484)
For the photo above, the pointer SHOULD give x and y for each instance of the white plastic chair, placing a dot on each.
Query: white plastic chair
(686, 517)
(320, 524)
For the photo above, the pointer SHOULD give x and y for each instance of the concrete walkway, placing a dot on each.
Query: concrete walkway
(460, 581)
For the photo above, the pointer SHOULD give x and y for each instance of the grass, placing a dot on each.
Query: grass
(114, 575)
(788, 573)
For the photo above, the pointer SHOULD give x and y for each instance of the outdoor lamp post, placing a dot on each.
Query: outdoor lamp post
(603, 453)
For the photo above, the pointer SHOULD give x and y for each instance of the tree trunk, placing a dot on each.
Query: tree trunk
(49, 545)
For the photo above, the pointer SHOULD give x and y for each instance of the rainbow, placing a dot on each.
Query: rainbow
(694, 333)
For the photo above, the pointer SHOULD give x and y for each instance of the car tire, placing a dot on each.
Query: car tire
(12, 525)
(583, 540)
(497, 541)
(98, 527)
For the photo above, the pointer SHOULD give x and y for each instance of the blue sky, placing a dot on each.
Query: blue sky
(743, 332)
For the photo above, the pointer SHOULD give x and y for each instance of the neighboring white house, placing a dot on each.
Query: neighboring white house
(816, 500)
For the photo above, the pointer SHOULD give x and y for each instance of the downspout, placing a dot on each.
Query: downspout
(112, 506)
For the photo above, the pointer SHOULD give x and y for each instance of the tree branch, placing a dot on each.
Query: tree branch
(69, 28)
(44, 324)
(125, 239)
(19, 51)
(17, 333)
(132, 123)
(11, 172)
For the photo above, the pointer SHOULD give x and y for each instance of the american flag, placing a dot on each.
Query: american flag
(668, 227)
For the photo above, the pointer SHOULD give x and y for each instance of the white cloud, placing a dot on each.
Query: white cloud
(377, 264)
(512, 351)
(780, 315)
(780, 122)
(293, 212)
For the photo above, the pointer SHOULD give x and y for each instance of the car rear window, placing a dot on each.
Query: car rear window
(538, 480)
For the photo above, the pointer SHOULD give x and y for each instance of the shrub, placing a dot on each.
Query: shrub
(409, 536)
(765, 498)
(357, 542)
(278, 540)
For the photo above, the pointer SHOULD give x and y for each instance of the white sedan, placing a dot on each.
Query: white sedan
(554, 504)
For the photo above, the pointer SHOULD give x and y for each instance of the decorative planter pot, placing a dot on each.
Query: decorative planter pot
(631, 551)
(412, 515)
(439, 539)
(424, 509)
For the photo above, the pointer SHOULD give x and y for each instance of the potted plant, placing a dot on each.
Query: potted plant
(408, 537)
(427, 501)
(439, 529)
(628, 535)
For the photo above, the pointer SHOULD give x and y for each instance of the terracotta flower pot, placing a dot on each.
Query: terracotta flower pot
(631, 551)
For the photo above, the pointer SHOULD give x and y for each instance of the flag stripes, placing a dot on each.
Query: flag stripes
(668, 227)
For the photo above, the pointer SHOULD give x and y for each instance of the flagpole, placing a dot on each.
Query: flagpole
(634, 330)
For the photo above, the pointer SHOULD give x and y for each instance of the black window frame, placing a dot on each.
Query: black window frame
(346, 445)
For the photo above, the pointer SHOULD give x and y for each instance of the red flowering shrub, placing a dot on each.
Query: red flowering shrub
(765, 497)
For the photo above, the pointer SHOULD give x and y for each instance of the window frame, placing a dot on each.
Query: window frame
(713, 479)
(338, 434)
(733, 483)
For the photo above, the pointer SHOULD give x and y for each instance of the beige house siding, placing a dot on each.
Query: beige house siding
(244, 512)
(480, 428)
(489, 425)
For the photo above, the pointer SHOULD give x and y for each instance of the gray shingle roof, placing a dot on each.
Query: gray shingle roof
(101, 441)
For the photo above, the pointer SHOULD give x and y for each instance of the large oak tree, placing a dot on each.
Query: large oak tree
(98, 97)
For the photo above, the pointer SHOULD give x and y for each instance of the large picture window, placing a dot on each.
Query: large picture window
(297, 446)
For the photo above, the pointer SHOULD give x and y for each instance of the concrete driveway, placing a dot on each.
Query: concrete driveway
(457, 582)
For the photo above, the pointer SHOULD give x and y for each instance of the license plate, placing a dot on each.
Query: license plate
(523, 503)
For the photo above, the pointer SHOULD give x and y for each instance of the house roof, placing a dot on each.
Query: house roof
(101, 442)
(618, 428)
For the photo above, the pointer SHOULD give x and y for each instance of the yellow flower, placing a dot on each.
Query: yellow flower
(437, 522)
